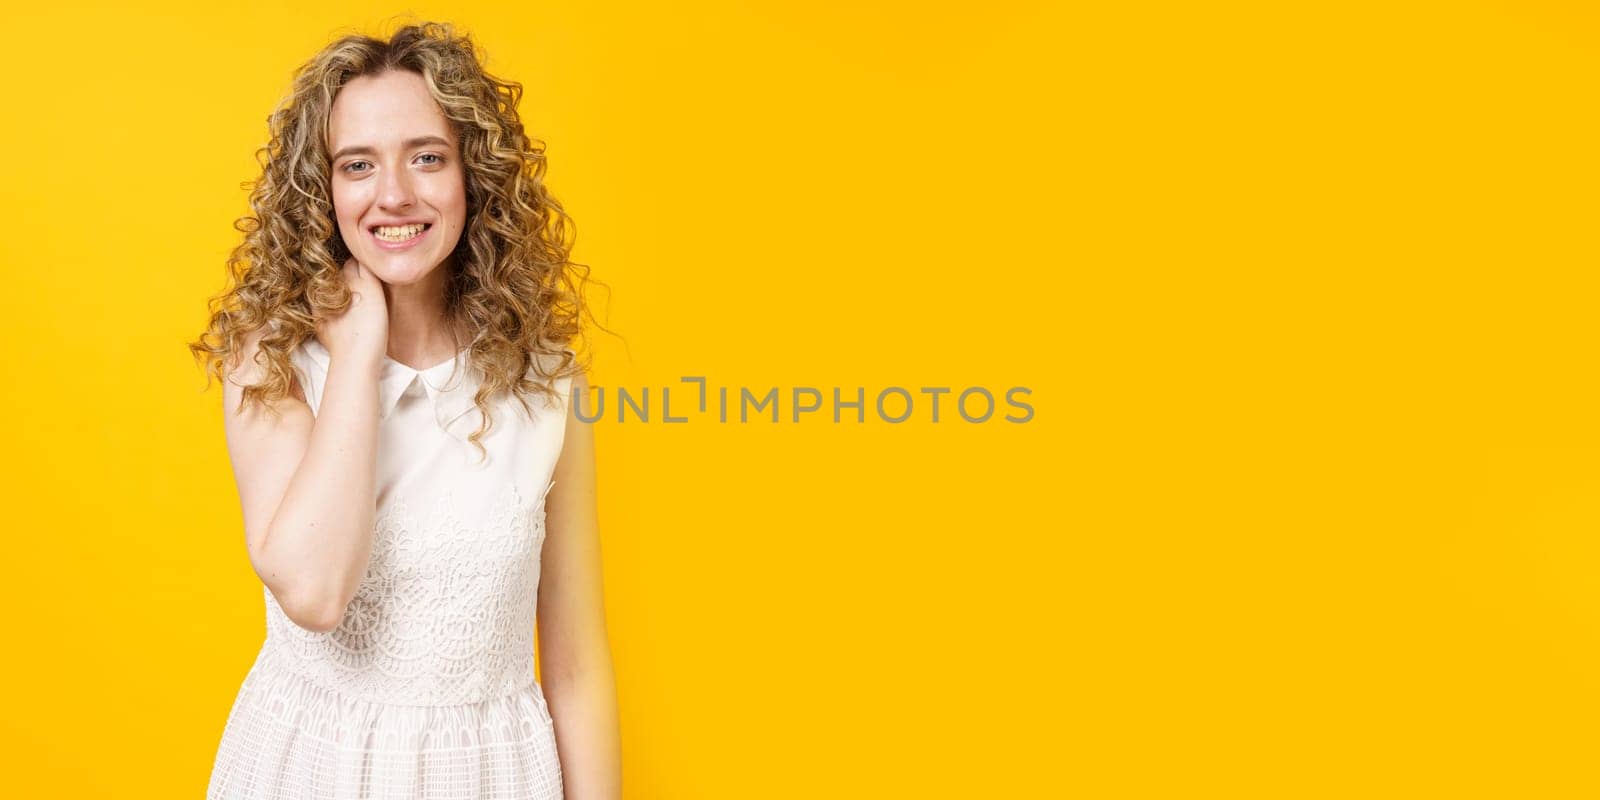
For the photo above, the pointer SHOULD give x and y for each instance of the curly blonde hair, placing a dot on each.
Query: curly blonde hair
(514, 284)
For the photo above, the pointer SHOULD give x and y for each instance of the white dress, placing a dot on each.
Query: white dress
(426, 689)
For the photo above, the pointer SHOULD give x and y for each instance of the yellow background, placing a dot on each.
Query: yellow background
(1304, 294)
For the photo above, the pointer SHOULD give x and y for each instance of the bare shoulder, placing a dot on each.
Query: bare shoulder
(244, 370)
(578, 439)
(578, 381)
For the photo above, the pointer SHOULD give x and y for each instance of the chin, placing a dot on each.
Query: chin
(389, 274)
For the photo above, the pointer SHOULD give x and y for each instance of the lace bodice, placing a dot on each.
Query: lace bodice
(445, 614)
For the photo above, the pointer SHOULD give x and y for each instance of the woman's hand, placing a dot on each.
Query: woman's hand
(361, 332)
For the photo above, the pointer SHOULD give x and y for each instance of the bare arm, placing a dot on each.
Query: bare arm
(298, 478)
(574, 650)
(307, 483)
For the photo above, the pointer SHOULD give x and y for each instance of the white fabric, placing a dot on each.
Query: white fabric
(426, 689)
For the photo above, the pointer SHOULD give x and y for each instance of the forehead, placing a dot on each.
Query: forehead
(383, 110)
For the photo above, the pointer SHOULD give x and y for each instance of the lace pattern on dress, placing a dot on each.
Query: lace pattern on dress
(442, 615)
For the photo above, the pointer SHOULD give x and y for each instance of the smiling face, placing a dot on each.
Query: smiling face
(399, 190)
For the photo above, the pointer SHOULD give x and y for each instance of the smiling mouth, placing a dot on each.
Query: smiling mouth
(400, 234)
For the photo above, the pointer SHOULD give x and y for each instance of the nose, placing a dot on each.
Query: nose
(395, 190)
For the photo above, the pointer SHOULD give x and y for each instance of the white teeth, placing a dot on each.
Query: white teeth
(398, 233)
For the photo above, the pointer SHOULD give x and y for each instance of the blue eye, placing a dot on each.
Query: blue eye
(438, 159)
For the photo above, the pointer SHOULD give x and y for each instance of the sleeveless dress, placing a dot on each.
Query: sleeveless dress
(426, 689)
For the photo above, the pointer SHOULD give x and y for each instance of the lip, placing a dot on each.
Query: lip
(405, 245)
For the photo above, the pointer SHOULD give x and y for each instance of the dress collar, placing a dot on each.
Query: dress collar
(450, 387)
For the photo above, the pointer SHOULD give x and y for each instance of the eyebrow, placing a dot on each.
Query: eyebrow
(409, 144)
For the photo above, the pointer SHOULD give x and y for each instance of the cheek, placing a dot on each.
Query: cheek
(451, 202)
(455, 192)
(346, 207)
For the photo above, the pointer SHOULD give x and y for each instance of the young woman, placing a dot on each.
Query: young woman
(396, 358)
